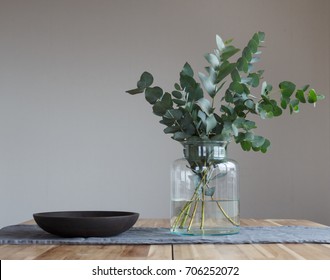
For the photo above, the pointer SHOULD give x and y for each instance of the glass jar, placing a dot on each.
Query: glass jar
(205, 190)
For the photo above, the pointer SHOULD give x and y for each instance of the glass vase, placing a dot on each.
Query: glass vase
(205, 190)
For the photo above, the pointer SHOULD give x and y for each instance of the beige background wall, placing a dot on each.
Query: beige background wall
(70, 138)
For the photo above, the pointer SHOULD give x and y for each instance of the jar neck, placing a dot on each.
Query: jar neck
(205, 150)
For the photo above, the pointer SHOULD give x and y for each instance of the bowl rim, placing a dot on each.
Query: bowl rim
(115, 214)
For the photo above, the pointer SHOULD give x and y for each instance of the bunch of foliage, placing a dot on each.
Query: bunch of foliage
(190, 115)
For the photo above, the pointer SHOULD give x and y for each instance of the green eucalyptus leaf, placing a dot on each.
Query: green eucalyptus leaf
(187, 70)
(229, 41)
(294, 103)
(235, 76)
(205, 106)
(265, 146)
(236, 87)
(167, 121)
(239, 122)
(240, 137)
(177, 94)
(175, 114)
(186, 124)
(227, 109)
(135, 91)
(228, 52)
(269, 88)
(229, 96)
(167, 100)
(212, 59)
(263, 88)
(189, 130)
(209, 191)
(300, 96)
(277, 111)
(239, 109)
(261, 36)
(254, 79)
(249, 103)
(256, 38)
(253, 46)
(220, 43)
(247, 53)
(211, 123)
(180, 136)
(153, 94)
(145, 81)
(193, 89)
(312, 97)
(246, 145)
(159, 108)
(207, 84)
(217, 54)
(177, 86)
(269, 114)
(284, 103)
(263, 114)
(224, 70)
(171, 129)
(234, 129)
(244, 136)
(249, 136)
(255, 59)
(213, 75)
(179, 102)
(258, 141)
(287, 88)
(248, 125)
(242, 64)
(305, 87)
(202, 116)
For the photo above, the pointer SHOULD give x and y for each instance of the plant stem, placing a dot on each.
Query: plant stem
(193, 215)
(203, 208)
(185, 217)
(180, 214)
(225, 214)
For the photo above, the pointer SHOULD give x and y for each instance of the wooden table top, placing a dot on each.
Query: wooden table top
(176, 252)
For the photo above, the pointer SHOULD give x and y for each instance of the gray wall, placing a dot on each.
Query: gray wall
(71, 139)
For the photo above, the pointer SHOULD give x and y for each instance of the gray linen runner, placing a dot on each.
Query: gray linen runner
(32, 234)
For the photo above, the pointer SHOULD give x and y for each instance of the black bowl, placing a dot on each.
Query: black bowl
(86, 223)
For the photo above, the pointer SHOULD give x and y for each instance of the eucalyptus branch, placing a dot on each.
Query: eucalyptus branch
(191, 115)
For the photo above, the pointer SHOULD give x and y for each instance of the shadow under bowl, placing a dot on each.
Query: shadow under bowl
(86, 223)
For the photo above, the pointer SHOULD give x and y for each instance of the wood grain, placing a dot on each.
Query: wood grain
(178, 252)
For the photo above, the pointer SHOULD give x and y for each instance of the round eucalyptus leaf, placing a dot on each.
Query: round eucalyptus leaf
(312, 97)
(145, 81)
(153, 94)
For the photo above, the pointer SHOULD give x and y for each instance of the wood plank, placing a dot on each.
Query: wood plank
(85, 252)
(107, 252)
(252, 252)
(23, 252)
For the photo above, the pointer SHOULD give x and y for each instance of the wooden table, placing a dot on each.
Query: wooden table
(175, 252)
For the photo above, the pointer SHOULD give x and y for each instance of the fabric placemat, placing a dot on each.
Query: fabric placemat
(32, 234)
